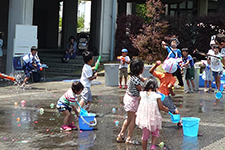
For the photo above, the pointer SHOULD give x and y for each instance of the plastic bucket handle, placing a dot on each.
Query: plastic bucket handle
(191, 125)
(89, 123)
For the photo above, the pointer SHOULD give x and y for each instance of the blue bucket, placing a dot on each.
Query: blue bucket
(190, 126)
(87, 122)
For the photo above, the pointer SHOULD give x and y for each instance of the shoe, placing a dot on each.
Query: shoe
(205, 90)
(134, 142)
(193, 91)
(120, 86)
(186, 91)
(22, 86)
(120, 139)
(72, 126)
(179, 124)
(125, 86)
(66, 128)
(153, 147)
(211, 90)
(216, 91)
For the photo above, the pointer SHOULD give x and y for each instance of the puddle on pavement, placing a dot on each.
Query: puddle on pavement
(190, 143)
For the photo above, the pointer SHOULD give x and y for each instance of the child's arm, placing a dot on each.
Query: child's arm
(188, 61)
(161, 106)
(151, 70)
(143, 79)
(164, 44)
(74, 108)
(170, 87)
(93, 77)
(139, 87)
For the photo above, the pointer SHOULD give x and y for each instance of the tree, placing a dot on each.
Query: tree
(80, 21)
(149, 41)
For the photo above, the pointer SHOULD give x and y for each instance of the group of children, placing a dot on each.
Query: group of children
(142, 103)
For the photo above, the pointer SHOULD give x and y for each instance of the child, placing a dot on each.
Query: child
(70, 53)
(167, 82)
(220, 41)
(175, 54)
(216, 66)
(148, 115)
(124, 61)
(188, 63)
(131, 100)
(86, 78)
(66, 102)
(207, 75)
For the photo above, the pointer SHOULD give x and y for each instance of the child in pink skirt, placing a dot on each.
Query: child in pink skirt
(131, 100)
(148, 115)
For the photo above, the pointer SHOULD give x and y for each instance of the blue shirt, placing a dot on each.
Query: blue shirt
(191, 61)
(171, 54)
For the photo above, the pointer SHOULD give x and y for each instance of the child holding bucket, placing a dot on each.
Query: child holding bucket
(131, 100)
(67, 101)
(148, 115)
(167, 82)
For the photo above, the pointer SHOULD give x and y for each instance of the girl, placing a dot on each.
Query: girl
(207, 75)
(66, 102)
(131, 100)
(216, 66)
(1, 52)
(148, 114)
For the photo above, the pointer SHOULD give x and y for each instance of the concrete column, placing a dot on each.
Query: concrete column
(20, 12)
(134, 8)
(129, 8)
(105, 28)
(203, 7)
(69, 26)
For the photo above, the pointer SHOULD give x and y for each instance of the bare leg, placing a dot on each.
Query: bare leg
(210, 84)
(144, 144)
(125, 80)
(120, 80)
(132, 125)
(205, 84)
(188, 84)
(176, 112)
(81, 104)
(154, 140)
(67, 117)
(25, 80)
(193, 84)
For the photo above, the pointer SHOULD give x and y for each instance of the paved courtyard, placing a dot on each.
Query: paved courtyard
(25, 128)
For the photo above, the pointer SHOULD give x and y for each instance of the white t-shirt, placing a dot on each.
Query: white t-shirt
(216, 64)
(86, 73)
(223, 52)
(125, 65)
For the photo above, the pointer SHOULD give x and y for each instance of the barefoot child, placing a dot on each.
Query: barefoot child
(167, 81)
(131, 100)
(148, 115)
(67, 101)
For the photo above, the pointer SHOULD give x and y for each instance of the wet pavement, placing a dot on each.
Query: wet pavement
(25, 128)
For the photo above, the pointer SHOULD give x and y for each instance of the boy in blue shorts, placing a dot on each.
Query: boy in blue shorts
(86, 78)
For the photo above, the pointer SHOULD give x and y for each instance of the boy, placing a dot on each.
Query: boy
(188, 63)
(86, 78)
(67, 101)
(30, 61)
(124, 61)
(167, 82)
(174, 52)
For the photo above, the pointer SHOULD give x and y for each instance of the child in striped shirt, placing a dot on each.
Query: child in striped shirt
(67, 101)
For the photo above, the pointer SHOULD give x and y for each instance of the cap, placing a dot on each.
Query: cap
(124, 50)
(34, 48)
(212, 42)
(216, 46)
(184, 49)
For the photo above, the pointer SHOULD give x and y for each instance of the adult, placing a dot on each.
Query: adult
(31, 62)
(1, 52)
(71, 50)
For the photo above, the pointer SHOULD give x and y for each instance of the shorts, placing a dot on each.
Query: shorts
(130, 103)
(86, 95)
(27, 72)
(146, 132)
(190, 74)
(62, 107)
(123, 72)
(215, 74)
(169, 103)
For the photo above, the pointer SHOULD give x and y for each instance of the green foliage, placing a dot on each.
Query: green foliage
(141, 11)
(80, 21)
(60, 22)
(149, 41)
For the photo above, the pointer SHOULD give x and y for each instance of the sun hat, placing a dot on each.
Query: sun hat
(124, 50)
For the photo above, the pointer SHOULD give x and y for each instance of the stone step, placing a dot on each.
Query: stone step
(53, 74)
(64, 65)
(45, 60)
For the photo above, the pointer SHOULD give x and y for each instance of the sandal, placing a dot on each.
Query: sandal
(153, 147)
(134, 142)
(120, 139)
